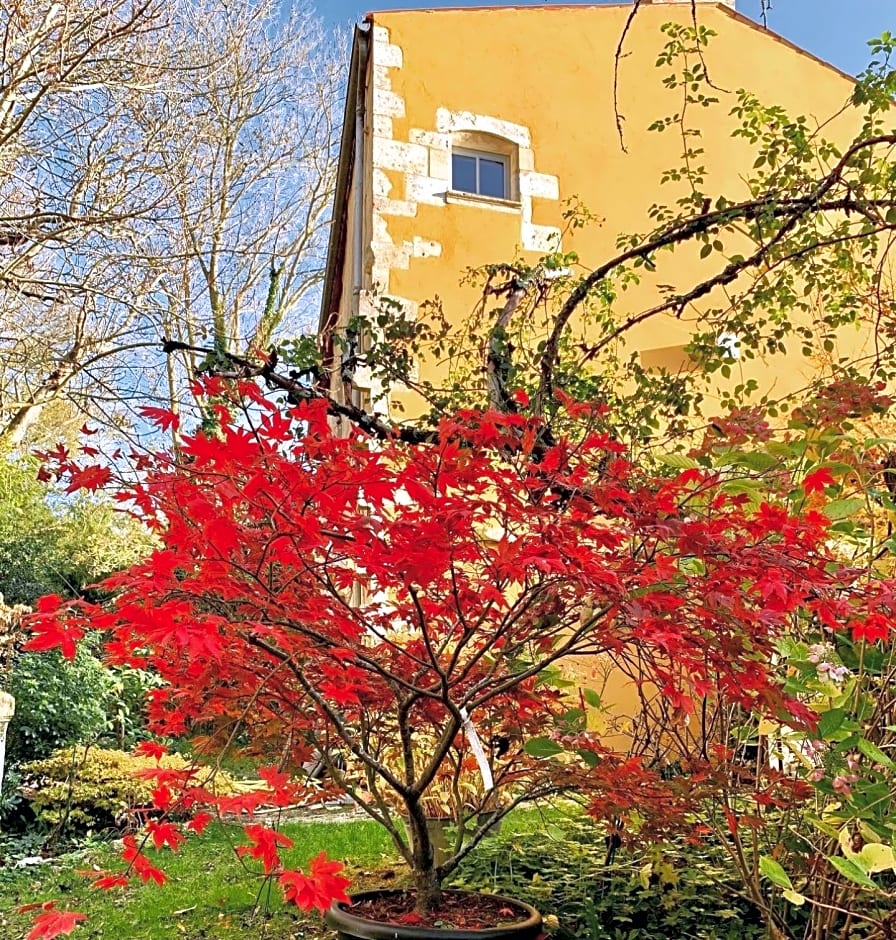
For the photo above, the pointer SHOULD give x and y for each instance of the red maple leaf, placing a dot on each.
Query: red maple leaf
(319, 888)
(266, 842)
(150, 749)
(145, 870)
(161, 417)
(54, 632)
(874, 627)
(165, 833)
(817, 480)
(87, 478)
(104, 880)
(198, 823)
(52, 922)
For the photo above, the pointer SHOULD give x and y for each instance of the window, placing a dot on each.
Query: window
(480, 173)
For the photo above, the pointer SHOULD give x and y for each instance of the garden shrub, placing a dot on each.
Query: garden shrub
(58, 703)
(673, 891)
(81, 789)
(48, 545)
(126, 705)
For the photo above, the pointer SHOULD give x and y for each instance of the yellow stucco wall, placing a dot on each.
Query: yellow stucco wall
(549, 70)
(547, 73)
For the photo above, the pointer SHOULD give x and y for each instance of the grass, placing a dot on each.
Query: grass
(209, 892)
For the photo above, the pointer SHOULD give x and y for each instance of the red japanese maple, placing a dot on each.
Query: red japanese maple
(386, 609)
(51, 922)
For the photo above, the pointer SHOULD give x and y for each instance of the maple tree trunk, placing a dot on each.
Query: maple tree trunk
(429, 890)
(427, 882)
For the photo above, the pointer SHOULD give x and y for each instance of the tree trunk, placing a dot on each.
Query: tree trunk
(427, 880)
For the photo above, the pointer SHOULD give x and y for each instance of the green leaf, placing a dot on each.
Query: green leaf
(542, 747)
(588, 757)
(822, 825)
(875, 754)
(875, 857)
(756, 460)
(841, 508)
(795, 898)
(573, 718)
(591, 697)
(678, 461)
(830, 721)
(851, 871)
(770, 869)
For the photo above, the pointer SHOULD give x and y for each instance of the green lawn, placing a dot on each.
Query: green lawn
(208, 895)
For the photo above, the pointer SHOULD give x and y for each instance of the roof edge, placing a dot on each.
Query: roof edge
(336, 244)
(743, 18)
(718, 4)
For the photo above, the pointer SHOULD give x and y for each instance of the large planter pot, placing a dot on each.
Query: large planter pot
(352, 927)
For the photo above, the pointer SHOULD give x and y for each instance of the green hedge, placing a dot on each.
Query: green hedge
(58, 703)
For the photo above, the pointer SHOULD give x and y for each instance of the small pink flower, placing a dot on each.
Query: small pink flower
(842, 785)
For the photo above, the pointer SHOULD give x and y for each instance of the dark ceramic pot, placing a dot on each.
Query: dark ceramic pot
(351, 927)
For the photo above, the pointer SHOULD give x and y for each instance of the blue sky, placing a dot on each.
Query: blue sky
(835, 30)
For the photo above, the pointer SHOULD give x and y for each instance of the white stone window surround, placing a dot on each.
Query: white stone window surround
(513, 206)
(484, 132)
(422, 164)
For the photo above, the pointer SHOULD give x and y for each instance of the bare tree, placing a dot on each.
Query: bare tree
(70, 189)
(165, 169)
(246, 135)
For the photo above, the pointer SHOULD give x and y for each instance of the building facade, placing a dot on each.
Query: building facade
(468, 131)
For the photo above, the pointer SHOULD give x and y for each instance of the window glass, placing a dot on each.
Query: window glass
(463, 173)
(491, 178)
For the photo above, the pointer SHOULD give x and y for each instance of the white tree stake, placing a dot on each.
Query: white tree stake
(478, 751)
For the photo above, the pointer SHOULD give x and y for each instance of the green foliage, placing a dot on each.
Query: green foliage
(673, 891)
(126, 705)
(825, 865)
(10, 794)
(48, 545)
(57, 703)
(51, 546)
(95, 539)
(82, 789)
(28, 534)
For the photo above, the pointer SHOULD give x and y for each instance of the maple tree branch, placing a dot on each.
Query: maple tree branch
(297, 391)
(568, 647)
(332, 714)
